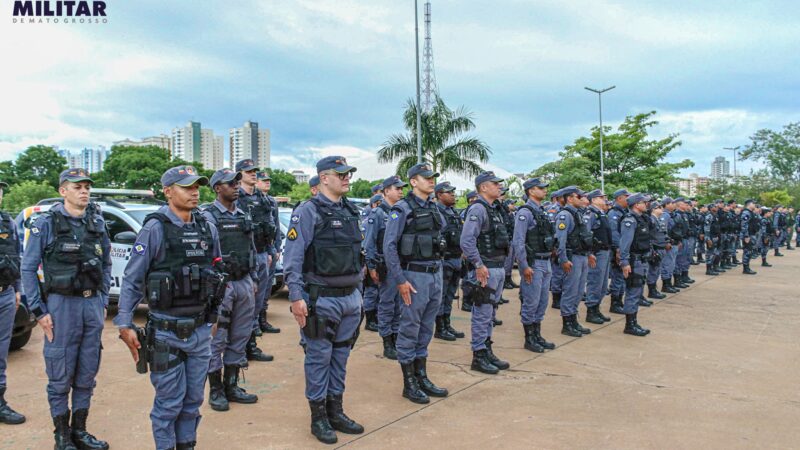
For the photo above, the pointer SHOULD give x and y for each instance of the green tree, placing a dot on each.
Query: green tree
(40, 163)
(443, 145)
(281, 182)
(27, 193)
(780, 151)
(362, 188)
(299, 192)
(631, 160)
(8, 172)
(777, 197)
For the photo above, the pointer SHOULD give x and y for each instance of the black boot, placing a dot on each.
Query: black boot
(636, 323)
(735, 261)
(338, 419)
(497, 362)
(678, 283)
(645, 302)
(685, 277)
(718, 267)
(481, 363)
(233, 392)
(496, 322)
(616, 304)
(216, 394)
(265, 326)
(652, 292)
(411, 388)
(82, 438)
(62, 433)
(453, 331)
(320, 426)
(421, 371)
(746, 270)
(185, 445)
(778, 252)
(372, 320)
(254, 353)
(666, 286)
(710, 270)
(537, 333)
(389, 351)
(441, 332)
(764, 263)
(568, 329)
(578, 326)
(8, 415)
(530, 340)
(556, 300)
(630, 326)
(593, 315)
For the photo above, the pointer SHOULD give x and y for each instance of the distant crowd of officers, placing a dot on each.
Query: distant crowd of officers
(398, 265)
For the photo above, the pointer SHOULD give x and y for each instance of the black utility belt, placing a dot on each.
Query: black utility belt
(325, 291)
(600, 248)
(542, 257)
(494, 264)
(183, 328)
(640, 256)
(84, 293)
(411, 267)
(571, 253)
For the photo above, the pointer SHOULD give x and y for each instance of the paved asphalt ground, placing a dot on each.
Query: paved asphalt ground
(719, 370)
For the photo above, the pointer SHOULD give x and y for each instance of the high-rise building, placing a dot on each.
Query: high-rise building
(161, 141)
(92, 159)
(195, 144)
(251, 142)
(691, 186)
(720, 168)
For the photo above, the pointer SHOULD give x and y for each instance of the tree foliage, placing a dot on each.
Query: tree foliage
(444, 144)
(776, 197)
(631, 159)
(282, 182)
(27, 193)
(39, 163)
(779, 150)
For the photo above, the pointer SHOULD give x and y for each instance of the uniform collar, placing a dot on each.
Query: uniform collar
(571, 208)
(174, 217)
(421, 202)
(595, 209)
(533, 204)
(223, 209)
(494, 204)
(328, 201)
(59, 207)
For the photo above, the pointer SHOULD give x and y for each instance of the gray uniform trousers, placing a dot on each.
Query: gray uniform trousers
(534, 295)
(417, 319)
(264, 286)
(8, 303)
(233, 329)
(597, 278)
(634, 293)
(574, 285)
(482, 315)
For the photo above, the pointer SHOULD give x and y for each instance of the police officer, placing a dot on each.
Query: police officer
(389, 302)
(634, 249)
(323, 258)
(597, 277)
(790, 223)
(674, 237)
(466, 302)
(71, 243)
(615, 214)
(779, 228)
(313, 185)
(557, 278)
(445, 201)
(797, 230)
(658, 227)
(748, 233)
(10, 284)
(173, 265)
(766, 235)
(370, 286)
(414, 249)
(684, 252)
(485, 243)
(712, 232)
(235, 315)
(263, 184)
(265, 230)
(508, 208)
(534, 243)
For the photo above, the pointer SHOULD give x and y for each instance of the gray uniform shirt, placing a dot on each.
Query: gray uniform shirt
(236, 212)
(399, 218)
(525, 221)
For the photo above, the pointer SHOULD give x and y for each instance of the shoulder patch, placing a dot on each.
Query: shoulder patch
(562, 217)
(394, 215)
(295, 218)
(139, 248)
(292, 234)
(473, 217)
(627, 223)
(521, 217)
(370, 220)
(562, 226)
(34, 230)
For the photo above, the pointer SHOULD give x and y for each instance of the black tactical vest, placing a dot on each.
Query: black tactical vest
(422, 236)
(541, 238)
(601, 236)
(782, 220)
(679, 229)
(73, 262)
(753, 223)
(642, 235)
(264, 227)
(382, 228)
(452, 234)
(175, 280)
(581, 237)
(335, 250)
(9, 254)
(715, 227)
(493, 244)
(235, 236)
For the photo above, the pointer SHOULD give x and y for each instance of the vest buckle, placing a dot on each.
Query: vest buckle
(87, 293)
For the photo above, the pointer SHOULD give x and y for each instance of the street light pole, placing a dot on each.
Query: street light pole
(735, 149)
(419, 102)
(599, 93)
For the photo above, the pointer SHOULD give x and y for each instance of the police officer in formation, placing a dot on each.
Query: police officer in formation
(485, 243)
(323, 258)
(597, 278)
(371, 285)
(451, 267)
(749, 231)
(713, 234)
(71, 243)
(10, 295)
(617, 281)
(265, 231)
(413, 248)
(634, 250)
(389, 302)
(575, 256)
(466, 302)
(235, 228)
(264, 184)
(534, 243)
(658, 226)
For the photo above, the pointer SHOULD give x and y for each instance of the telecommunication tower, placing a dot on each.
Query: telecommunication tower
(429, 88)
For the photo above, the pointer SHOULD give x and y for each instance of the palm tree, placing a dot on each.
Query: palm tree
(443, 146)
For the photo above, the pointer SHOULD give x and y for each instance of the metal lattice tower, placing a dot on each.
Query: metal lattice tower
(429, 88)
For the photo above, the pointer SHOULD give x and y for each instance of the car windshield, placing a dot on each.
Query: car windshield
(284, 218)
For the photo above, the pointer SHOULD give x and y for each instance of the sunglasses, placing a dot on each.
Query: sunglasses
(343, 176)
(233, 183)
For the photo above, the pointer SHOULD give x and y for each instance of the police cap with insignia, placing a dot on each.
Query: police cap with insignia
(569, 190)
(534, 182)
(224, 176)
(263, 176)
(246, 165)
(484, 177)
(375, 198)
(471, 195)
(395, 181)
(376, 188)
(74, 176)
(620, 192)
(595, 193)
(636, 198)
(336, 163)
(314, 181)
(423, 170)
(183, 176)
(444, 186)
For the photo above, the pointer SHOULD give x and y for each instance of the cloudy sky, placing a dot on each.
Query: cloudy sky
(333, 76)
